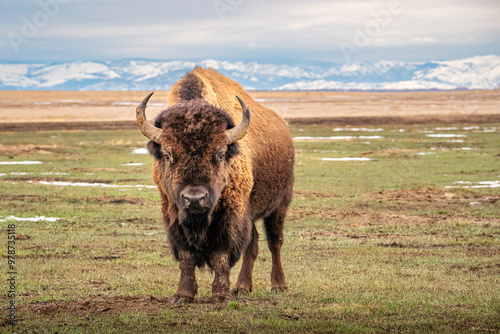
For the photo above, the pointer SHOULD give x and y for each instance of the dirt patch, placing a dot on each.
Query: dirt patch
(19, 149)
(67, 126)
(313, 193)
(107, 258)
(24, 198)
(361, 217)
(432, 195)
(60, 179)
(493, 268)
(114, 305)
(115, 200)
(36, 179)
(395, 244)
(46, 255)
(105, 199)
(391, 153)
(99, 305)
(390, 120)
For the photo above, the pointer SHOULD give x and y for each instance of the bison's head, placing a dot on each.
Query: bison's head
(194, 143)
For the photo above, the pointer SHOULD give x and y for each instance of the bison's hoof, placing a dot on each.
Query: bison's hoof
(179, 300)
(279, 288)
(241, 291)
(220, 298)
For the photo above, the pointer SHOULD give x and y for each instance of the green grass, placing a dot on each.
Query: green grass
(370, 246)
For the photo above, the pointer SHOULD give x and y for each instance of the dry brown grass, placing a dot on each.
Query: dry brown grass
(46, 106)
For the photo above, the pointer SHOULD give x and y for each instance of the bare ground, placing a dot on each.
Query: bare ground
(45, 111)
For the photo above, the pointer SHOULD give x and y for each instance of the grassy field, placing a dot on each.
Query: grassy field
(407, 241)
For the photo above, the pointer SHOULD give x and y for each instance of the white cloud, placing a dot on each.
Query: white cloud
(257, 28)
(423, 40)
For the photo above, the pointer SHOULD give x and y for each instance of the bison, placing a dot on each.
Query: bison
(216, 179)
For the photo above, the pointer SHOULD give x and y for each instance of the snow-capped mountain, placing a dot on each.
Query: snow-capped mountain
(480, 72)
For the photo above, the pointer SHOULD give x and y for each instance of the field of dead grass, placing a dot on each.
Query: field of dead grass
(406, 239)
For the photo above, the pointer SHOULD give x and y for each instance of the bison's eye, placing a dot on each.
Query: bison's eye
(168, 157)
(220, 156)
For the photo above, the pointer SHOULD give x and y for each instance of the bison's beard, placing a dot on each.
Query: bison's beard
(195, 227)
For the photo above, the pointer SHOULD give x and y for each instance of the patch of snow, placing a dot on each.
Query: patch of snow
(359, 129)
(31, 173)
(32, 219)
(480, 72)
(337, 138)
(133, 164)
(445, 135)
(140, 151)
(325, 138)
(470, 128)
(264, 100)
(481, 184)
(338, 85)
(85, 184)
(20, 162)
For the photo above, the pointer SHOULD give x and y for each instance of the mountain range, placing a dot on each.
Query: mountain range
(480, 72)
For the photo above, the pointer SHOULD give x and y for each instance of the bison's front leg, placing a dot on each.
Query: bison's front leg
(244, 284)
(187, 288)
(220, 286)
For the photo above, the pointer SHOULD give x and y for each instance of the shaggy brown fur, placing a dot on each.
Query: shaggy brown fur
(246, 181)
(192, 87)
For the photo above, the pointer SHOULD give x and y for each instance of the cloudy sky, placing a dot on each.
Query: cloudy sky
(262, 30)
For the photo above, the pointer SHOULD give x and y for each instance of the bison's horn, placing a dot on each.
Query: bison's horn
(151, 132)
(240, 130)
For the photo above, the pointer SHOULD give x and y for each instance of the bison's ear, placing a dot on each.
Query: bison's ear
(155, 150)
(232, 150)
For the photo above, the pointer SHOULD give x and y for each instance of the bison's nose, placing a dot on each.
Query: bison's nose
(195, 198)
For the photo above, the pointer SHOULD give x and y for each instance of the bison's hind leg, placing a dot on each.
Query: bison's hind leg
(273, 225)
(274, 232)
(244, 283)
